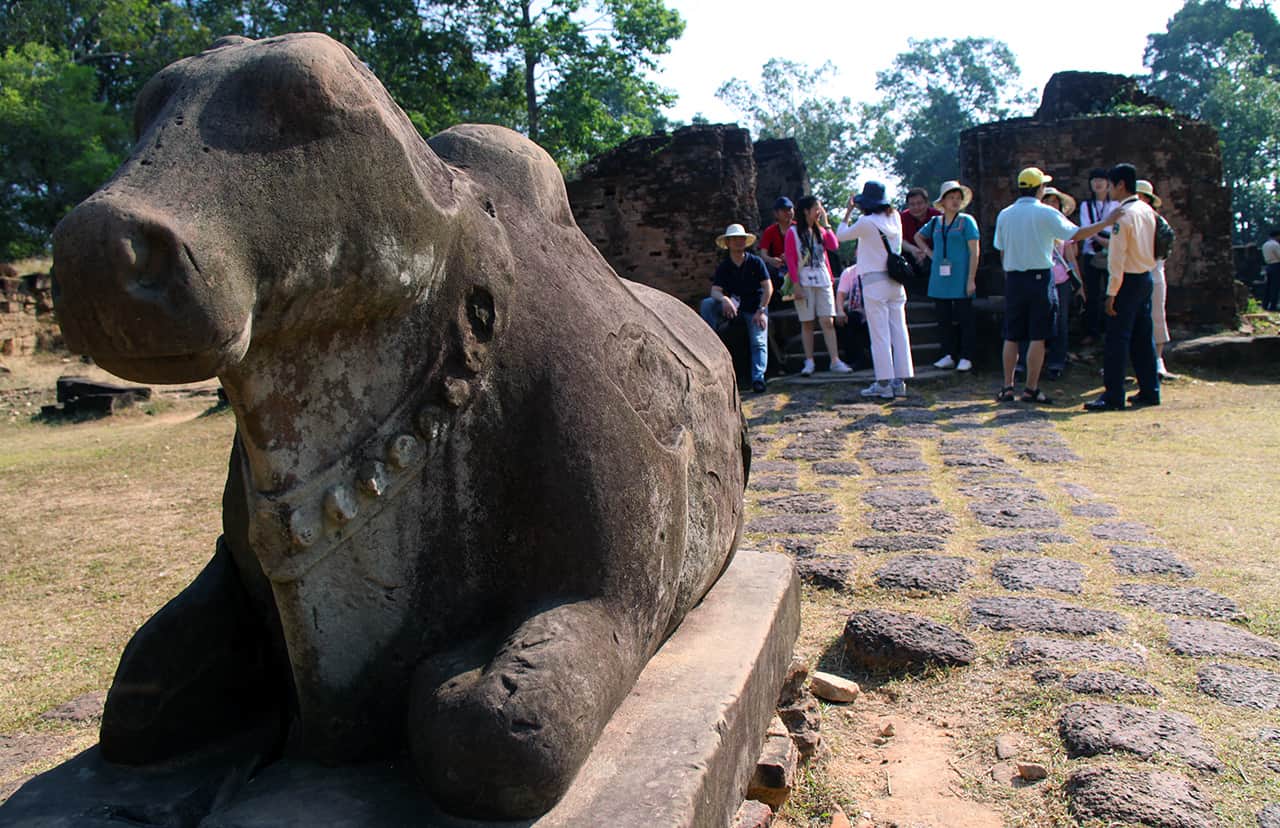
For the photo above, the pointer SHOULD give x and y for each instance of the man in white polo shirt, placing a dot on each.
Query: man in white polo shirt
(1025, 233)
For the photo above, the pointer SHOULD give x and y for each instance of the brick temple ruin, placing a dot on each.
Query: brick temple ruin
(654, 205)
(1077, 128)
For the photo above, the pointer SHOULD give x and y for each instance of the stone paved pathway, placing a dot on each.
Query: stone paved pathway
(956, 513)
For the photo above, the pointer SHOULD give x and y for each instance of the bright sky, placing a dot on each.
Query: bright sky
(725, 40)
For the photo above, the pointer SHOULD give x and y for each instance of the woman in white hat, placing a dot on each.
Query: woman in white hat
(1159, 288)
(951, 242)
(1064, 264)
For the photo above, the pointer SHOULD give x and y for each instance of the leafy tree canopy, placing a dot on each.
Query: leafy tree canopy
(57, 143)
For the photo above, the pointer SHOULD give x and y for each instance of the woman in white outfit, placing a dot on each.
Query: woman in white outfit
(884, 300)
(1159, 288)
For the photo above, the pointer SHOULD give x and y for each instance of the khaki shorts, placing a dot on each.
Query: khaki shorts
(817, 301)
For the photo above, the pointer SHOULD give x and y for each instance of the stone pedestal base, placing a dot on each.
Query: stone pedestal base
(678, 752)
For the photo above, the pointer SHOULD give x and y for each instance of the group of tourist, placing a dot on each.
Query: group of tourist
(1114, 261)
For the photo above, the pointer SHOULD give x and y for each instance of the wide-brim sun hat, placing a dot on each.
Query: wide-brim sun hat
(1068, 203)
(734, 231)
(948, 186)
(1144, 188)
(872, 196)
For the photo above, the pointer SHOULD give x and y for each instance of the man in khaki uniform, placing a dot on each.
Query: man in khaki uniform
(1128, 305)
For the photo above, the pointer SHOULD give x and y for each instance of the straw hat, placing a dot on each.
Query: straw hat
(734, 231)
(1068, 203)
(1144, 188)
(947, 186)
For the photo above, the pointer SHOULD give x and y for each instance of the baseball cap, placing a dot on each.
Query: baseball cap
(783, 203)
(1033, 177)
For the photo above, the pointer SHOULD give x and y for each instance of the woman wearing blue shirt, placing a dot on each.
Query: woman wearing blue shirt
(951, 242)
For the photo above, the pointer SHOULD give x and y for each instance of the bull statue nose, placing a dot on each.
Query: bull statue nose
(133, 249)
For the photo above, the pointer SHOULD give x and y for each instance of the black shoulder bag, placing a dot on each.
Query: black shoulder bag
(899, 268)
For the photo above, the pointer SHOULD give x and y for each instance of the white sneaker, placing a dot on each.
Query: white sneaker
(899, 388)
(945, 362)
(878, 389)
(839, 367)
(807, 370)
(1161, 371)
(964, 365)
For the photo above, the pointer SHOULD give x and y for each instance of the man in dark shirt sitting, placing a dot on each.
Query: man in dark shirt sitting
(741, 288)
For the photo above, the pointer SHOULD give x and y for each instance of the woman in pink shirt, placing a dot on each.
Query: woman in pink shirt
(805, 250)
(1064, 263)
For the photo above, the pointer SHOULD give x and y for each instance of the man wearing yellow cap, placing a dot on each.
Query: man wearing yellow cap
(1025, 233)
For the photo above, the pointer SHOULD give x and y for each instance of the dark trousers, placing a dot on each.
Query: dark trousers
(1271, 299)
(1130, 336)
(1056, 357)
(1095, 284)
(854, 339)
(957, 325)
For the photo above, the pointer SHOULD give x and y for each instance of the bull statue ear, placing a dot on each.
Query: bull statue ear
(228, 40)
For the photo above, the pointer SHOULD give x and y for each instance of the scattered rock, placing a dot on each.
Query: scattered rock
(793, 683)
(898, 498)
(832, 688)
(1194, 601)
(973, 459)
(1047, 453)
(1154, 798)
(896, 465)
(1041, 615)
(773, 483)
(1045, 676)
(826, 571)
(1090, 729)
(1077, 491)
(1144, 560)
(796, 524)
(878, 639)
(1001, 495)
(809, 503)
(1122, 531)
(1212, 638)
(912, 520)
(1269, 734)
(900, 543)
(795, 547)
(925, 573)
(1023, 541)
(86, 708)
(1094, 510)
(1032, 771)
(775, 773)
(888, 731)
(1240, 686)
(1036, 650)
(1006, 746)
(1269, 817)
(1005, 773)
(753, 814)
(839, 468)
(1039, 573)
(1015, 516)
(803, 719)
(1107, 683)
(773, 467)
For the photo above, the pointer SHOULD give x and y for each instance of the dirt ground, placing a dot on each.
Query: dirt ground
(102, 522)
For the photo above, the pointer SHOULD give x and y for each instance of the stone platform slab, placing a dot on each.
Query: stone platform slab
(679, 751)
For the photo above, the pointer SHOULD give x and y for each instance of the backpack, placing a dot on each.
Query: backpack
(1164, 238)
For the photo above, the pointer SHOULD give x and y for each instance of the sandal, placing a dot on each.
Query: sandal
(1005, 395)
(1035, 395)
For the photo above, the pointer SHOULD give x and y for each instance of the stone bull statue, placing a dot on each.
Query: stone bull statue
(477, 478)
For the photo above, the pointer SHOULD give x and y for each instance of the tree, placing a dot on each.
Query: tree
(125, 42)
(581, 66)
(57, 143)
(937, 89)
(836, 137)
(1221, 63)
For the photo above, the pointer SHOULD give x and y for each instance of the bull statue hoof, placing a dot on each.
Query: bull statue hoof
(477, 478)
